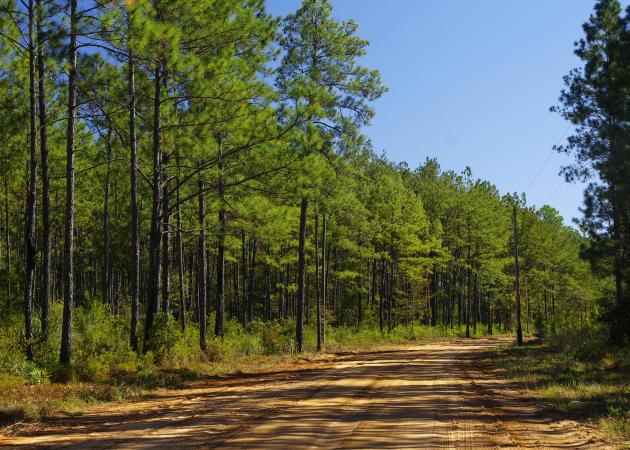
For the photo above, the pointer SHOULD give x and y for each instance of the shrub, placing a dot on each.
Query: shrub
(33, 374)
(586, 342)
(166, 335)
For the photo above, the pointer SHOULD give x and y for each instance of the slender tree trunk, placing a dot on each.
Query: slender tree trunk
(381, 299)
(153, 288)
(250, 279)
(360, 312)
(192, 289)
(475, 302)
(106, 280)
(527, 306)
(65, 354)
(490, 317)
(209, 281)
(300, 276)
(180, 257)
(31, 236)
(267, 305)
(324, 281)
(468, 293)
(244, 271)
(43, 143)
(201, 277)
(220, 306)
(7, 238)
(390, 300)
(166, 253)
(135, 236)
(519, 329)
(318, 286)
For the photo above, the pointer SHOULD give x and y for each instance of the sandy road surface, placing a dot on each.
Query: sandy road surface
(421, 397)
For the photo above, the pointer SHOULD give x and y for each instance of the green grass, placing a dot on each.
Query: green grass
(593, 388)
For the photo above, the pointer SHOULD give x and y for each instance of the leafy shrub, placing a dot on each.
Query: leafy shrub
(586, 342)
(101, 342)
(272, 341)
(165, 336)
(11, 348)
(33, 374)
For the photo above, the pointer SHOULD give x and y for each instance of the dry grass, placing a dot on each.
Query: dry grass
(594, 390)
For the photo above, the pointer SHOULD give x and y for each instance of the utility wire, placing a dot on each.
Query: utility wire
(554, 191)
(544, 164)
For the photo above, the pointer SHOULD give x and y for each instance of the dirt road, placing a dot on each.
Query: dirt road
(422, 397)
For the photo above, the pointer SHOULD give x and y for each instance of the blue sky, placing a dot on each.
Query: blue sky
(471, 83)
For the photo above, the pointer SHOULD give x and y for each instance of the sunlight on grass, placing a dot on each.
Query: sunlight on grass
(595, 389)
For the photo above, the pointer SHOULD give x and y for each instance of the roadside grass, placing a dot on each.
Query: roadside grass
(593, 388)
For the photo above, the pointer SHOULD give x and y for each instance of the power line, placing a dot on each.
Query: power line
(544, 164)
(554, 191)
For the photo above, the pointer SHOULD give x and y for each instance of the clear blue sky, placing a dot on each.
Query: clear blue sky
(471, 83)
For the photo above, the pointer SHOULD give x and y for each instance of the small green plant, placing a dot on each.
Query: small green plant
(33, 374)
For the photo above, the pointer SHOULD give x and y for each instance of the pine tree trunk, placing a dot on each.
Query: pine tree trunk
(65, 354)
(300, 276)
(135, 237)
(7, 239)
(381, 300)
(517, 288)
(106, 281)
(468, 292)
(324, 281)
(318, 286)
(180, 256)
(166, 253)
(30, 238)
(43, 145)
(250, 279)
(244, 305)
(155, 241)
(220, 306)
(201, 276)
(360, 312)
(267, 299)
(390, 300)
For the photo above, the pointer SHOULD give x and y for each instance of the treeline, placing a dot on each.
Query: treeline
(202, 162)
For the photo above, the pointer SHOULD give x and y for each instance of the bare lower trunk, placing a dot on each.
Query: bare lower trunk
(7, 239)
(106, 281)
(153, 288)
(65, 354)
(30, 232)
(166, 253)
(318, 286)
(201, 276)
(135, 238)
(250, 279)
(244, 305)
(517, 288)
(300, 276)
(43, 143)
(324, 281)
(180, 258)
(220, 306)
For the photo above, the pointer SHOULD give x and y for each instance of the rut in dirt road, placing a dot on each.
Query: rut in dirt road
(429, 396)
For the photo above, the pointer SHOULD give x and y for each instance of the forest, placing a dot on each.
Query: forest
(186, 182)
